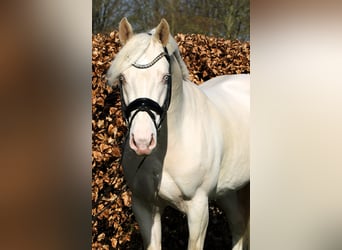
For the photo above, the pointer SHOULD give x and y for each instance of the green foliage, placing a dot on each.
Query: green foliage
(222, 18)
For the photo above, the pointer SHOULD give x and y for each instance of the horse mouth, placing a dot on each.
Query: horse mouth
(142, 146)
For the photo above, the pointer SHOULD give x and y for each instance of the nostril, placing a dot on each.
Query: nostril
(151, 141)
(133, 140)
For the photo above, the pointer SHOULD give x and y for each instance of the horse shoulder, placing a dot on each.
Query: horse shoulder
(194, 147)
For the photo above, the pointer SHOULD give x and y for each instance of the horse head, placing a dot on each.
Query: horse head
(143, 70)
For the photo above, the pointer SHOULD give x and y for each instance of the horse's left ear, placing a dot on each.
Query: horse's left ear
(162, 32)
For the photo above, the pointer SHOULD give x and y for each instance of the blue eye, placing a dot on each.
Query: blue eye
(166, 77)
(122, 79)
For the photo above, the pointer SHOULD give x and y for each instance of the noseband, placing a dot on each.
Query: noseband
(146, 104)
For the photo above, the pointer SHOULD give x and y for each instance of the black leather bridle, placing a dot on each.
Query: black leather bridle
(146, 104)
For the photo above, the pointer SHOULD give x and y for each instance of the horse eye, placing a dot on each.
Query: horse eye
(122, 79)
(166, 77)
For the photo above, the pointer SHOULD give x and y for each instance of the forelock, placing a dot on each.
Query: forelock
(129, 54)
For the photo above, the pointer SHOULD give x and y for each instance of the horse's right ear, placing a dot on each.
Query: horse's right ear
(125, 31)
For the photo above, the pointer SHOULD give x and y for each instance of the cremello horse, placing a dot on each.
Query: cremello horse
(186, 143)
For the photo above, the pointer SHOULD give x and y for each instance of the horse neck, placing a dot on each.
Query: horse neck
(185, 95)
(185, 101)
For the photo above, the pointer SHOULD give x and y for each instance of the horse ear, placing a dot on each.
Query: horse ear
(125, 31)
(162, 32)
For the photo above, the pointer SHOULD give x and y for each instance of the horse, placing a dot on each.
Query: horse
(186, 144)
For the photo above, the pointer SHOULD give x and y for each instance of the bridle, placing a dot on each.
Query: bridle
(146, 104)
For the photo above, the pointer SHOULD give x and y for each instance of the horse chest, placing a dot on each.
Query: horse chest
(171, 191)
(189, 165)
(181, 180)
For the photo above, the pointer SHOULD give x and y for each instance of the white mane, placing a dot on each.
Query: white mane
(134, 49)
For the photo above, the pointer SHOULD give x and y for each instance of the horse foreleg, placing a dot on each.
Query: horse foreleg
(156, 237)
(148, 217)
(198, 216)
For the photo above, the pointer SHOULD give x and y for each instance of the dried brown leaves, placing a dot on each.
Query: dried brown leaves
(113, 224)
(112, 215)
(207, 57)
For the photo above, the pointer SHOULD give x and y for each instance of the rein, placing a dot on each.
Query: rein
(146, 104)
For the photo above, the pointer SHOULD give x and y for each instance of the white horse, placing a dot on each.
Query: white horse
(186, 143)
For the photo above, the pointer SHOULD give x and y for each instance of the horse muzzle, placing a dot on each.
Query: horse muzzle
(142, 134)
(142, 145)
